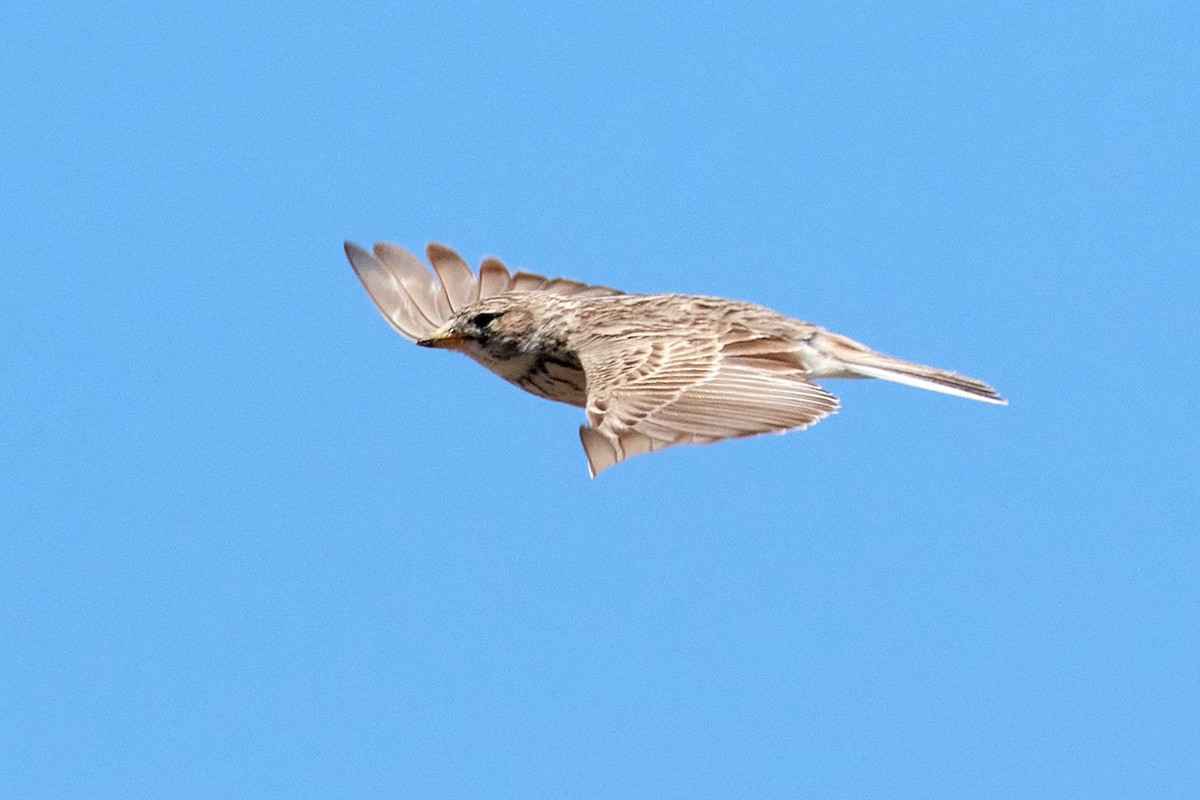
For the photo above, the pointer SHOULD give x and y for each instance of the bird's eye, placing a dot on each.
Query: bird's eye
(483, 320)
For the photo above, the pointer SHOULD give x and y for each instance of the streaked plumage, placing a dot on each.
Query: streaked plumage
(651, 371)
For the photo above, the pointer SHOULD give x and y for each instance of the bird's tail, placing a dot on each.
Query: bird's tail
(853, 359)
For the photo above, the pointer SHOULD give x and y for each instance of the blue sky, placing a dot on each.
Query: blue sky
(256, 545)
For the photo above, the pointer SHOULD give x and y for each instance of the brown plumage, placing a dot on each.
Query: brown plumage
(651, 371)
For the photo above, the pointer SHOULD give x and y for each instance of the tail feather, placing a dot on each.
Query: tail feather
(858, 359)
(932, 378)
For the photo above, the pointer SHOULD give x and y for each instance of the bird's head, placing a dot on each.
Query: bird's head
(496, 329)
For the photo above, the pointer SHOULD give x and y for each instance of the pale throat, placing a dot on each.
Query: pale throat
(512, 368)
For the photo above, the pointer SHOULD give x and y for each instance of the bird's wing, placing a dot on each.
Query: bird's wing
(416, 302)
(644, 394)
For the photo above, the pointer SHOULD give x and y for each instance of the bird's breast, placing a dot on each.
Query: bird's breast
(557, 376)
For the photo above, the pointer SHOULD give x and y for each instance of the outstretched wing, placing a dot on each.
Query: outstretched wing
(646, 394)
(416, 302)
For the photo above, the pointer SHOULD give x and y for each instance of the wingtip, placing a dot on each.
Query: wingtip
(359, 258)
(435, 249)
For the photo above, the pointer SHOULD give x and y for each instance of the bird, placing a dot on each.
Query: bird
(649, 370)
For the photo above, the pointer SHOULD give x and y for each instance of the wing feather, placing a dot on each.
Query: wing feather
(388, 293)
(524, 281)
(647, 394)
(493, 277)
(458, 282)
(416, 281)
(416, 301)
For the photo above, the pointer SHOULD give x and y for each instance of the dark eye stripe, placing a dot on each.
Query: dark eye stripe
(483, 320)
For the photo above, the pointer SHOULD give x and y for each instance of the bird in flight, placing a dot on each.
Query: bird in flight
(650, 370)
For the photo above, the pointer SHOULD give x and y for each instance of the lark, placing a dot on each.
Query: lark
(650, 370)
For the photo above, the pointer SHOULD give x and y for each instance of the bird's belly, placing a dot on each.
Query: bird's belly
(822, 365)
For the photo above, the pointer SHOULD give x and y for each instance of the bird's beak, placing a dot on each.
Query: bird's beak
(446, 340)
